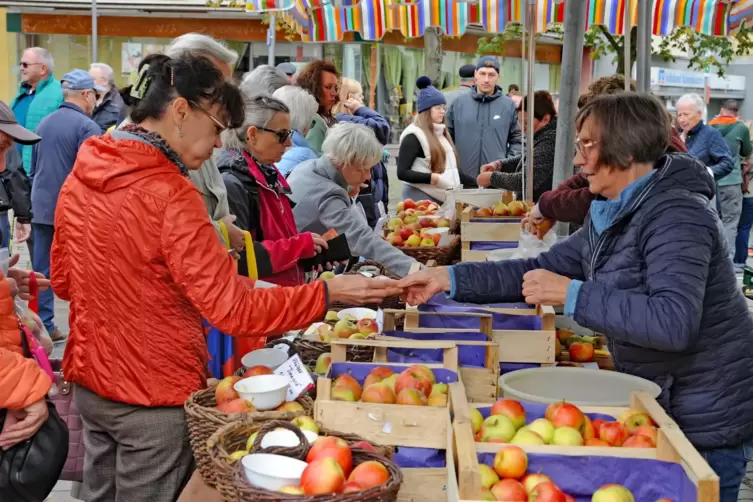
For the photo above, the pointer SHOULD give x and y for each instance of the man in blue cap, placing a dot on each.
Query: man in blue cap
(484, 122)
(63, 131)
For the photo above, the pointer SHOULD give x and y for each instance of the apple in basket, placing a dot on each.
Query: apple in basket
(321, 444)
(322, 477)
(367, 326)
(257, 370)
(511, 409)
(348, 382)
(395, 239)
(363, 445)
(340, 452)
(344, 328)
(511, 462)
(291, 406)
(428, 242)
(291, 490)
(509, 490)
(306, 423)
(236, 406)
(323, 362)
(377, 375)
(369, 474)
(378, 393)
(225, 391)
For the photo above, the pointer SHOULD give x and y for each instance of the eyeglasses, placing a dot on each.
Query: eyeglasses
(582, 147)
(282, 136)
(24, 64)
(220, 126)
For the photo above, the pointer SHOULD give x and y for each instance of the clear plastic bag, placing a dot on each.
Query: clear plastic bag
(531, 246)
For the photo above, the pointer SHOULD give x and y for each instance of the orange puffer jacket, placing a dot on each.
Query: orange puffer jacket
(22, 382)
(137, 257)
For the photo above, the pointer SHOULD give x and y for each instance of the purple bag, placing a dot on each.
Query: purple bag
(66, 408)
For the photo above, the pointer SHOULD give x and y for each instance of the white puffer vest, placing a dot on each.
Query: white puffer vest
(448, 180)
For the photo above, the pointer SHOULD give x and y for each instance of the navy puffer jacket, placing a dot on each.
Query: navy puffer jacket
(660, 284)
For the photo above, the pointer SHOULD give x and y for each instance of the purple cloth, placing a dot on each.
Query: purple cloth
(580, 477)
(508, 367)
(535, 411)
(440, 303)
(492, 246)
(467, 355)
(483, 220)
(406, 457)
(359, 371)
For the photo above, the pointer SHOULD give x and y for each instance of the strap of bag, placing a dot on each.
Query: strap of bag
(253, 272)
(34, 293)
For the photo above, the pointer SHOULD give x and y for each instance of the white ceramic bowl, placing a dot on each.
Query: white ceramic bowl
(286, 438)
(357, 312)
(265, 392)
(271, 358)
(439, 230)
(272, 472)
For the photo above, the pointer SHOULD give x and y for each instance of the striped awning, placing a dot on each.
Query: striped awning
(329, 20)
(740, 13)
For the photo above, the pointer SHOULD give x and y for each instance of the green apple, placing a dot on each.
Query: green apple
(323, 362)
(439, 388)
(331, 316)
(488, 476)
(497, 428)
(526, 436)
(250, 442)
(567, 436)
(306, 423)
(543, 428)
(326, 275)
(476, 420)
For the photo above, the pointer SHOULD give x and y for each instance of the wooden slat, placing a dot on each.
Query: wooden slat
(575, 451)
(423, 485)
(521, 346)
(489, 232)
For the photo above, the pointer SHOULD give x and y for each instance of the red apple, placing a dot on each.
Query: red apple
(649, 431)
(511, 462)
(377, 375)
(395, 239)
(546, 492)
(225, 391)
(569, 498)
(341, 453)
(323, 443)
(425, 371)
(369, 474)
(638, 442)
(551, 409)
(236, 406)
(484, 212)
(363, 445)
(509, 490)
(257, 370)
(612, 433)
(427, 222)
(588, 428)
(378, 393)
(322, 477)
(511, 409)
(410, 379)
(633, 422)
(581, 352)
(405, 232)
(568, 415)
(367, 326)
(351, 383)
(595, 442)
(352, 487)
(409, 204)
(531, 481)
(596, 424)
(412, 397)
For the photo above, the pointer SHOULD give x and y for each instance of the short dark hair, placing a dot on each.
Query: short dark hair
(543, 105)
(631, 127)
(310, 78)
(194, 78)
(732, 105)
(612, 84)
(513, 87)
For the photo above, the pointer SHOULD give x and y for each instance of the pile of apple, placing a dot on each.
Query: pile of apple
(510, 481)
(228, 400)
(408, 228)
(564, 425)
(514, 208)
(347, 328)
(581, 349)
(416, 386)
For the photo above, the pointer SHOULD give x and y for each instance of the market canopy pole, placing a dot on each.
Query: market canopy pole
(271, 39)
(528, 166)
(626, 45)
(95, 38)
(643, 59)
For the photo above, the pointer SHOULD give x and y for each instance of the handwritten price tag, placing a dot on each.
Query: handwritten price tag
(298, 376)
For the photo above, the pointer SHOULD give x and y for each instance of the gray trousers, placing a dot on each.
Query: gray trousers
(133, 453)
(731, 202)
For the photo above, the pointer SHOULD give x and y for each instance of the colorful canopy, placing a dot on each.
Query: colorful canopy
(329, 20)
(741, 13)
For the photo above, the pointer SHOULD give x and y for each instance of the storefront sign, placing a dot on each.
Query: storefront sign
(665, 77)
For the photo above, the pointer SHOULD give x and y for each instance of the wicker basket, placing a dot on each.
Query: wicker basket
(442, 255)
(393, 302)
(204, 419)
(270, 345)
(233, 437)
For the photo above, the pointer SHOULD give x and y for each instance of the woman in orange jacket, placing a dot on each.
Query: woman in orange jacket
(137, 257)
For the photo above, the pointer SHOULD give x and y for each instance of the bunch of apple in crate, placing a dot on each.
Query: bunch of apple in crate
(416, 386)
(514, 208)
(509, 480)
(581, 349)
(564, 425)
(228, 401)
(411, 227)
(347, 328)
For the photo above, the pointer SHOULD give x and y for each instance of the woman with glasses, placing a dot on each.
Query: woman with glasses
(651, 270)
(141, 264)
(258, 193)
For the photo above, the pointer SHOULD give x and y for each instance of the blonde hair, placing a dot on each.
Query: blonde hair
(436, 151)
(348, 86)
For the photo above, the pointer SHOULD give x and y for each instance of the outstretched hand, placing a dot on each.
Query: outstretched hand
(358, 290)
(542, 287)
(421, 286)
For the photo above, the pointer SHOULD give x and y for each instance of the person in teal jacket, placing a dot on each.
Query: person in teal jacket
(39, 95)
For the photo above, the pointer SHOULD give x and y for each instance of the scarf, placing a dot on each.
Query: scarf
(158, 142)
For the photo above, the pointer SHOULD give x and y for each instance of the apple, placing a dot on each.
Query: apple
(415, 227)
(357, 336)
(405, 232)
(551, 409)
(352, 487)
(420, 213)
(427, 223)
(378, 374)
(476, 420)
(567, 436)
(588, 429)
(596, 424)
(395, 239)
(630, 412)
(322, 477)
(581, 352)
(569, 498)
(486, 494)
(497, 427)
(511, 462)
(369, 474)
(291, 490)
(413, 241)
(595, 442)
(633, 422)
(488, 476)
(516, 208)
(391, 381)
(378, 393)
(439, 388)
(321, 444)
(323, 362)
(326, 333)
(423, 370)
(367, 326)
(411, 378)
(649, 431)
(500, 209)
(509, 490)
(351, 383)
(324, 276)
(484, 212)
(438, 399)
(343, 394)
(531, 481)
(363, 445)
(225, 391)
(511, 409)
(400, 207)
(291, 406)
(526, 436)
(344, 328)
(546, 492)
(306, 423)
(410, 219)
(612, 493)
(612, 433)
(236, 406)
(568, 415)
(237, 455)
(257, 370)
(443, 223)
(543, 428)
(638, 442)
(340, 452)
(428, 242)
(564, 334)
(250, 441)
(412, 397)
(409, 204)
(394, 223)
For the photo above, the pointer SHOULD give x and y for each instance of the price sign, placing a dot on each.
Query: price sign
(298, 376)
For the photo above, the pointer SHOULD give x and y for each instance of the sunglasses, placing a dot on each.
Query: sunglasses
(25, 65)
(282, 136)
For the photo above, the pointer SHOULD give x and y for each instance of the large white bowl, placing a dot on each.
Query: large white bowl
(357, 312)
(272, 472)
(286, 438)
(265, 392)
(271, 358)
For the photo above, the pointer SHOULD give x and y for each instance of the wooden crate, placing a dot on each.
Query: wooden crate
(672, 446)
(492, 229)
(481, 384)
(515, 346)
(398, 425)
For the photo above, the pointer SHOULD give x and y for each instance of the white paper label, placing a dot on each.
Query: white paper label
(380, 320)
(298, 376)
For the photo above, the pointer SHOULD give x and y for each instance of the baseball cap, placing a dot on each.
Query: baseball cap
(467, 71)
(287, 68)
(488, 62)
(79, 80)
(10, 126)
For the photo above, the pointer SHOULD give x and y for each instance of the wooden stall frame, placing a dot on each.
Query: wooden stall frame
(672, 446)
(515, 346)
(505, 229)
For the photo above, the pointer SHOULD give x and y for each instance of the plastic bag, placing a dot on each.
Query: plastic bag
(531, 246)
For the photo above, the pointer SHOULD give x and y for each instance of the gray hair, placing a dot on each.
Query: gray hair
(348, 144)
(44, 57)
(302, 105)
(106, 70)
(264, 79)
(693, 100)
(201, 45)
(260, 110)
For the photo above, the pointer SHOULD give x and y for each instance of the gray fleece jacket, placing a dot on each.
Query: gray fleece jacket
(322, 203)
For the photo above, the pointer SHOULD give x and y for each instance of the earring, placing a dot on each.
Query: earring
(180, 132)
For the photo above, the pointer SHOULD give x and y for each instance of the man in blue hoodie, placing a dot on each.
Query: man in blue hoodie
(483, 123)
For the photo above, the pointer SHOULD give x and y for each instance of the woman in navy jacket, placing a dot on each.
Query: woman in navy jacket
(651, 270)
